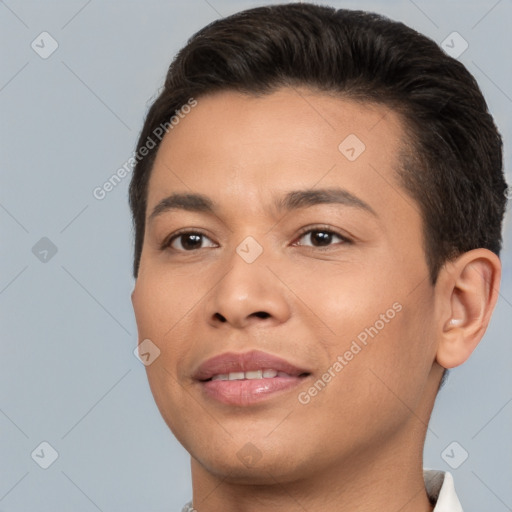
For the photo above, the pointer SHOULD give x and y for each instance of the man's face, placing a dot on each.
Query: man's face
(336, 287)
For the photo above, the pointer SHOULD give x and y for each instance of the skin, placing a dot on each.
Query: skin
(357, 444)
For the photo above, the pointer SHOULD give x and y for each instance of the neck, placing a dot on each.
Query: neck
(387, 477)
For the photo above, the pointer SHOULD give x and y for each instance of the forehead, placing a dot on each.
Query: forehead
(237, 147)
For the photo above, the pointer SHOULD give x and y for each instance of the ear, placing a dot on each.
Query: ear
(467, 290)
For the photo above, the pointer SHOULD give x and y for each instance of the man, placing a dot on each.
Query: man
(317, 204)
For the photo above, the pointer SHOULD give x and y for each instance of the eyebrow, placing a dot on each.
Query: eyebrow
(294, 200)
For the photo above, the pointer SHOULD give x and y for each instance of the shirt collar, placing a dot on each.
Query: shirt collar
(441, 491)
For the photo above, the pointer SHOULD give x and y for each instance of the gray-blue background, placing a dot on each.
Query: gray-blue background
(67, 372)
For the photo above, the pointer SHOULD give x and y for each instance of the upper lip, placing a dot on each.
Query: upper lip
(248, 361)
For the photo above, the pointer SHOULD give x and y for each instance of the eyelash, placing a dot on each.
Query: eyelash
(166, 244)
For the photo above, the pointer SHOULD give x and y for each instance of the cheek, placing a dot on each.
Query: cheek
(166, 305)
(159, 311)
(343, 297)
(160, 302)
(368, 314)
(398, 356)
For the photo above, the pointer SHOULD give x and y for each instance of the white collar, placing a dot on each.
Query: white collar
(440, 489)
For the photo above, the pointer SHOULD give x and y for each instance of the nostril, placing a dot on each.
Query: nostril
(261, 314)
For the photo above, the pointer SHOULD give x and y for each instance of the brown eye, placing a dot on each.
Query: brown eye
(188, 241)
(322, 238)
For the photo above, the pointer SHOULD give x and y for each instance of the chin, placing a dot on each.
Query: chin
(249, 465)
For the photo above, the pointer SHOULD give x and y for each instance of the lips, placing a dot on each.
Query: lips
(238, 364)
(248, 379)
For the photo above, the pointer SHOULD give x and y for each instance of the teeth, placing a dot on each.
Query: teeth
(221, 377)
(254, 374)
(257, 374)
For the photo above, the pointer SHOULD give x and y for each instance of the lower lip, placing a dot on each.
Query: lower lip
(248, 391)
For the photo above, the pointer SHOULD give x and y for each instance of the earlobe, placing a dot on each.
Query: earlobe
(469, 287)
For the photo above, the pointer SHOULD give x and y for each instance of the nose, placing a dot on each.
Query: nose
(247, 294)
